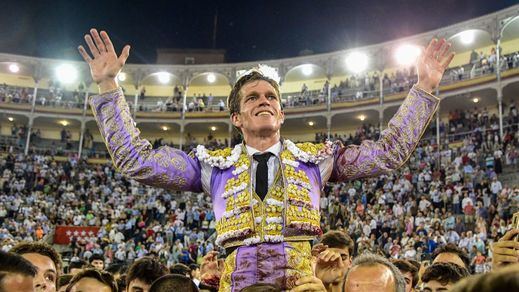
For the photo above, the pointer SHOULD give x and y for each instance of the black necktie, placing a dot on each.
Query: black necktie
(262, 174)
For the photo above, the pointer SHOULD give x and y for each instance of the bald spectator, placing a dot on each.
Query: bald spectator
(370, 272)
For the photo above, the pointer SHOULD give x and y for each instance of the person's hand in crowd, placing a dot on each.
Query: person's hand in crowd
(317, 249)
(432, 64)
(104, 63)
(506, 250)
(309, 283)
(329, 266)
(210, 269)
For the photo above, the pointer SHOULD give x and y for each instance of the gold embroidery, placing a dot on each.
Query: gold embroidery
(140, 173)
(178, 163)
(305, 217)
(179, 181)
(236, 226)
(287, 155)
(396, 144)
(246, 222)
(299, 260)
(311, 148)
(161, 159)
(229, 267)
(220, 152)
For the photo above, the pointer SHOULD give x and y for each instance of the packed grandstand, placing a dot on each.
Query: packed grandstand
(460, 186)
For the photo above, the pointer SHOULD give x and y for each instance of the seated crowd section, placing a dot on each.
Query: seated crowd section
(353, 88)
(455, 198)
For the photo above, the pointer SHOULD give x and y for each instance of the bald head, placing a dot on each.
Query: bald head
(376, 277)
(370, 272)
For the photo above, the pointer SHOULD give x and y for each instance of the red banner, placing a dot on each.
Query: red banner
(64, 234)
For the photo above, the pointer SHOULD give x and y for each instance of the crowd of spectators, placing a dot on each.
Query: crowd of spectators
(14, 94)
(210, 142)
(453, 195)
(455, 198)
(195, 103)
(45, 192)
(54, 95)
(367, 85)
(404, 215)
(479, 120)
(365, 131)
(355, 87)
(39, 193)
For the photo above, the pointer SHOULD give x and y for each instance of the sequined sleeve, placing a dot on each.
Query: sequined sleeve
(395, 145)
(135, 157)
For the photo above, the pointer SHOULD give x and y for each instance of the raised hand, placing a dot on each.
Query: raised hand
(432, 64)
(329, 266)
(210, 270)
(104, 63)
(318, 248)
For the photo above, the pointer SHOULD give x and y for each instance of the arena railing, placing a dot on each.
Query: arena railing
(459, 136)
(13, 144)
(312, 97)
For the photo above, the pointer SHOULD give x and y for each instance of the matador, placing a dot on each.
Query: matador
(265, 191)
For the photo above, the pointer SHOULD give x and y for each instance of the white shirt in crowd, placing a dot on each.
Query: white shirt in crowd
(496, 187)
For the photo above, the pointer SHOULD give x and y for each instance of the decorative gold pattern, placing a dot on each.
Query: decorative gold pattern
(299, 260)
(311, 148)
(178, 163)
(229, 267)
(396, 143)
(304, 216)
(242, 200)
(135, 157)
(220, 152)
(268, 216)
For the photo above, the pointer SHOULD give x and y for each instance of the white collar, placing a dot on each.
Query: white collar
(274, 149)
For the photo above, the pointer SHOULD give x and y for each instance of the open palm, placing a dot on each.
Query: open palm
(433, 63)
(104, 63)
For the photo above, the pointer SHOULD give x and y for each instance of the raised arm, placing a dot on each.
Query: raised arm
(398, 141)
(134, 157)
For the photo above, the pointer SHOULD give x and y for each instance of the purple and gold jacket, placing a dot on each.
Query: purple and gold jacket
(290, 210)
